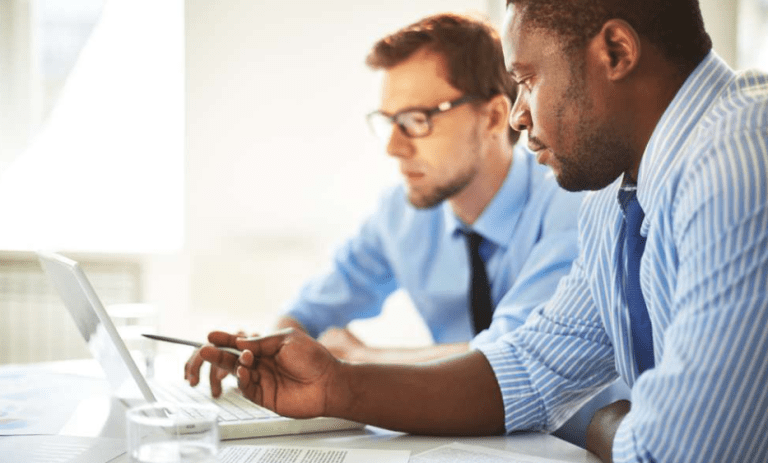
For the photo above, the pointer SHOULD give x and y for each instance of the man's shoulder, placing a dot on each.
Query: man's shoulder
(736, 126)
(750, 86)
(733, 129)
(742, 107)
(725, 165)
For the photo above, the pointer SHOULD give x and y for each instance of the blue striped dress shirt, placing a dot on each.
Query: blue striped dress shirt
(703, 183)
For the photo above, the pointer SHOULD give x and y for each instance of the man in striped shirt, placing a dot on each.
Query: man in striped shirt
(626, 98)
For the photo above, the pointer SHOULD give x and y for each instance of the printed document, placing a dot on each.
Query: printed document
(275, 454)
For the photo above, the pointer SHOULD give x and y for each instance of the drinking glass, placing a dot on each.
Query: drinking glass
(173, 433)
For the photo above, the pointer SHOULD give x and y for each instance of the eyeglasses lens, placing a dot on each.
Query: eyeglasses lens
(414, 123)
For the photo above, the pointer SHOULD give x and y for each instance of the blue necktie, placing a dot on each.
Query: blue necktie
(634, 245)
(480, 289)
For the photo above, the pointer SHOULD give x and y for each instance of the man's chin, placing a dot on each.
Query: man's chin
(573, 183)
(424, 198)
(565, 181)
(421, 201)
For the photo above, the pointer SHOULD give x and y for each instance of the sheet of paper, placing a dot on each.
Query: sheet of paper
(279, 454)
(59, 449)
(463, 453)
(34, 401)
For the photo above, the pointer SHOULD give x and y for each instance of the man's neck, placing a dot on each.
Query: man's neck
(659, 84)
(470, 202)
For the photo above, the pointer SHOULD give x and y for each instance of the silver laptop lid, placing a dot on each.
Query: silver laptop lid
(94, 323)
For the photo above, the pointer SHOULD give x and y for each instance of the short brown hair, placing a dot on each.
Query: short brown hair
(470, 46)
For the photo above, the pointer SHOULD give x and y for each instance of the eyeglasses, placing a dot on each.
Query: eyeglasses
(414, 123)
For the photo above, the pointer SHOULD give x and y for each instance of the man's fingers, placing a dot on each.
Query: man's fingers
(192, 368)
(221, 374)
(214, 379)
(246, 358)
(218, 357)
(265, 345)
(248, 382)
(222, 339)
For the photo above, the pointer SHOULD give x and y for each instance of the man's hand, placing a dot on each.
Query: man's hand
(343, 344)
(602, 429)
(192, 371)
(287, 372)
(295, 376)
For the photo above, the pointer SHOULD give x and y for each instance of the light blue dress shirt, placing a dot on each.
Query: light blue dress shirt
(530, 241)
(703, 184)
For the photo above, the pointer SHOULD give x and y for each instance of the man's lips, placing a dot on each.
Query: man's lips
(541, 150)
(535, 145)
(411, 174)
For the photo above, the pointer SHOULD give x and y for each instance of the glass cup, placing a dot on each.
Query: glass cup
(172, 433)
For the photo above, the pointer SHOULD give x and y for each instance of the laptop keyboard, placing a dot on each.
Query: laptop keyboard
(232, 405)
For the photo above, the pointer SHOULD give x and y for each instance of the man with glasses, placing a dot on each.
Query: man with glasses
(443, 117)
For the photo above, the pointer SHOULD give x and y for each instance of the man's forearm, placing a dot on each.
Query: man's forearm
(602, 429)
(457, 396)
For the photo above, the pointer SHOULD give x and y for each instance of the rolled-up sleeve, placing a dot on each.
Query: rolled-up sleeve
(556, 361)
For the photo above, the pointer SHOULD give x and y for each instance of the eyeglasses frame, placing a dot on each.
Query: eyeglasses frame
(428, 113)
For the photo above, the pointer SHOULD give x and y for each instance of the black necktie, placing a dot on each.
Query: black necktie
(634, 245)
(480, 289)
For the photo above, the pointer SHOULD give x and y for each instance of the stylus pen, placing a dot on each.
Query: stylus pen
(157, 337)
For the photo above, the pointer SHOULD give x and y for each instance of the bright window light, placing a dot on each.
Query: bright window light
(105, 173)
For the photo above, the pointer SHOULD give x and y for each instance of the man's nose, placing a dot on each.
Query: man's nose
(520, 116)
(399, 144)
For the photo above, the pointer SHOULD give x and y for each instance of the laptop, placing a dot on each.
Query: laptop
(239, 417)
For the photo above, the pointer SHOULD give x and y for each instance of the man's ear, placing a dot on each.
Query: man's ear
(618, 48)
(498, 109)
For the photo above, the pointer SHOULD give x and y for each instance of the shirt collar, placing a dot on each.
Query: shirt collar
(677, 124)
(497, 221)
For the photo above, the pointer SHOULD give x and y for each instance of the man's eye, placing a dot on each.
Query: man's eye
(416, 117)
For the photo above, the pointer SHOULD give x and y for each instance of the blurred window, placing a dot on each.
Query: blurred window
(753, 34)
(98, 164)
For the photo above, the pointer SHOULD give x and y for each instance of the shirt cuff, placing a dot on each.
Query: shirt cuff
(523, 407)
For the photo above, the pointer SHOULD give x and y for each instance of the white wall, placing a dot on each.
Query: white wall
(15, 79)
(720, 20)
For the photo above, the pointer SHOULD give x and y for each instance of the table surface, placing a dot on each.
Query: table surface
(91, 411)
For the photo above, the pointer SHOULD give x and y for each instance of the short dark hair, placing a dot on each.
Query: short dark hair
(674, 27)
(470, 47)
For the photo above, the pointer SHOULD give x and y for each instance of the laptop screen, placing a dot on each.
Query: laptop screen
(94, 323)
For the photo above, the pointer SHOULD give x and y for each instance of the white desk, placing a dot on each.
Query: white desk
(89, 411)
